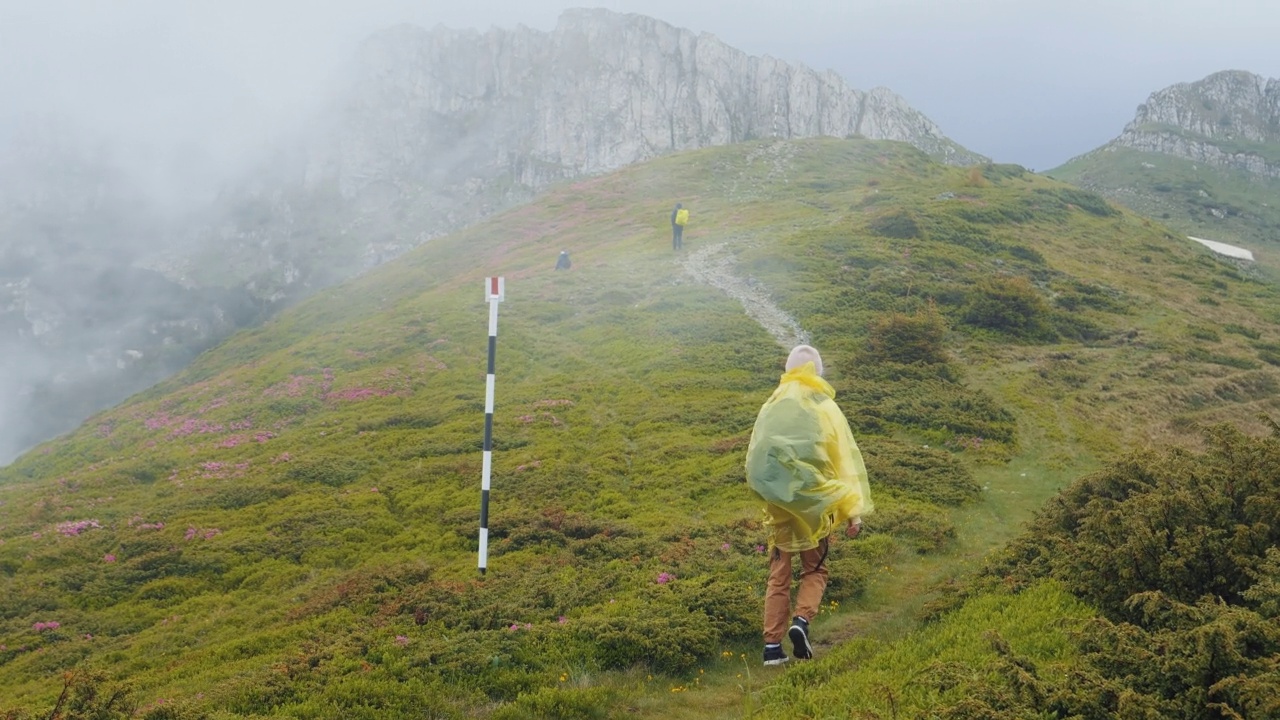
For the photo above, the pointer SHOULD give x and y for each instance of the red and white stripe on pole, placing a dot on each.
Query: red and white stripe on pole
(494, 289)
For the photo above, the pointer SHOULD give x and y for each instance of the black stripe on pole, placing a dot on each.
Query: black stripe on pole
(488, 432)
(493, 347)
(484, 508)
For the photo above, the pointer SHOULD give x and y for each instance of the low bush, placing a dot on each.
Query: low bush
(332, 470)
(927, 474)
(907, 339)
(1010, 305)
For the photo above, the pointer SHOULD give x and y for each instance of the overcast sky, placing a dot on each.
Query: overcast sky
(1028, 81)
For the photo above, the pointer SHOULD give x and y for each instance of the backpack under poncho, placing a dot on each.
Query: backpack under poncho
(804, 464)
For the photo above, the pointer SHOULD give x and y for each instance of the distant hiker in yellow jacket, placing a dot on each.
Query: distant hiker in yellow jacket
(679, 218)
(804, 464)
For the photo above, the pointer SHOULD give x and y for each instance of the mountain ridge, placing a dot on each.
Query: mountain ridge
(599, 91)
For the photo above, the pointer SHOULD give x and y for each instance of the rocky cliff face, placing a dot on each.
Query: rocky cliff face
(1230, 119)
(466, 122)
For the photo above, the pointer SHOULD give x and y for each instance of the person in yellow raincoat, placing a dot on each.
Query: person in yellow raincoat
(679, 218)
(804, 464)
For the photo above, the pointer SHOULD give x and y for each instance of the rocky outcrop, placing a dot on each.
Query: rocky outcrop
(1230, 119)
(467, 122)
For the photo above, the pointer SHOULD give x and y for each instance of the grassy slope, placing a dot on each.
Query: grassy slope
(317, 479)
(1184, 195)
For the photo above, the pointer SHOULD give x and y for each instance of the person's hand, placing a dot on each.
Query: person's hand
(853, 528)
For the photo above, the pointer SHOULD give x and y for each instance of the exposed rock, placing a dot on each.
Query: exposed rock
(1230, 119)
(466, 123)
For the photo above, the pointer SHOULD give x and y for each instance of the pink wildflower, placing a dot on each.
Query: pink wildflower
(759, 548)
(357, 394)
(552, 403)
(74, 528)
(725, 547)
(293, 387)
(401, 640)
(563, 620)
(42, 626)
(157, 421)
(108, 558)
(665, 577)
(217, 403)
(191, 426)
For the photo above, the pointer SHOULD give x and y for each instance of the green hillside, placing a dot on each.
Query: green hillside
(1205, 201)
(288, 528)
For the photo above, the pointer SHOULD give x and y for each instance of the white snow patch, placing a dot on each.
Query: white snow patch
(1224, 249)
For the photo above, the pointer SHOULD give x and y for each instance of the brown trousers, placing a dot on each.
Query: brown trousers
(777, 595)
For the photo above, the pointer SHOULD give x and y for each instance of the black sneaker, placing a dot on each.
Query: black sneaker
(799, 634)
(774, 655)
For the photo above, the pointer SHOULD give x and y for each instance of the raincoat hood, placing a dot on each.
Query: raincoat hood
(804, 464)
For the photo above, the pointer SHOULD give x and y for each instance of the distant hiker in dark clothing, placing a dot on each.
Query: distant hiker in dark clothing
(679, 217)
(562, 262)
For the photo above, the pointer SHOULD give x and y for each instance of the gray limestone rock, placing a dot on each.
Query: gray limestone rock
(1230, 119)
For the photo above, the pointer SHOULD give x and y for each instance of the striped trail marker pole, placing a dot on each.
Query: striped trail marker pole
(494, 288)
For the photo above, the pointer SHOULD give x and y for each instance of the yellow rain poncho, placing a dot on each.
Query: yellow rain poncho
(804, 464)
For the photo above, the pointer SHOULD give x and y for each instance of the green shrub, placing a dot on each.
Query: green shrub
(242, 496)
(934, 406)
(1090, 202)
(1203, 333)
(1199, 354)
(928, 474)
(671, 644)
(1181, 524)
(897, 224)
(331, 470)
(1241, 330)
(849, 572)
(557, 703)
(908, 339)
(922, 526)
(1009, 305)
(86, 695)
